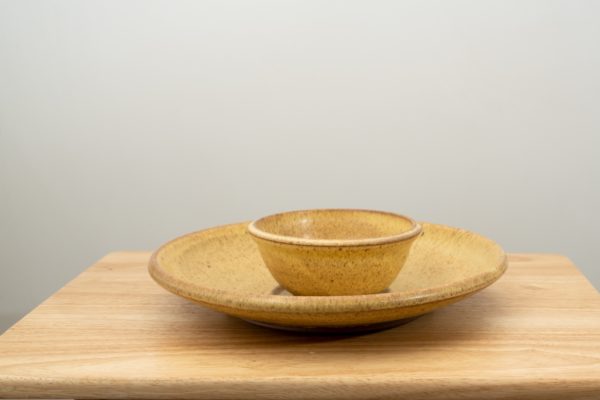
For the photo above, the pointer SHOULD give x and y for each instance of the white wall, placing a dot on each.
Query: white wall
(124, 124)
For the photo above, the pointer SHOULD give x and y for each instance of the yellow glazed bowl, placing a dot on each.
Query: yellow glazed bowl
(334, 252)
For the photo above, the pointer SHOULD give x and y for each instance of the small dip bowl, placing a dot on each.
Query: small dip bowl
(334, 252)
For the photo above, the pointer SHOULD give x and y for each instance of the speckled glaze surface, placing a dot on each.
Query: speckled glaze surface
(334, 252)
(221, 268)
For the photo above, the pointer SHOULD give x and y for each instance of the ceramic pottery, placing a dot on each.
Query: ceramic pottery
(221, 268)
(334, 252)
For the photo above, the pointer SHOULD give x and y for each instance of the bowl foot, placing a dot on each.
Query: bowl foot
(336, 330)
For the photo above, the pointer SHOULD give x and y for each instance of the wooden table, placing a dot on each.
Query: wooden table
(113, 333)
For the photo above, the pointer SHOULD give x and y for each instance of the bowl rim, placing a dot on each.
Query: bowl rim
(412, 232)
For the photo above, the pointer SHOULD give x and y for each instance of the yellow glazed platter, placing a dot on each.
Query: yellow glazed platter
(221, 268)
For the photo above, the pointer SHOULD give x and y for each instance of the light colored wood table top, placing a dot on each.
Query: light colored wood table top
(113, 333)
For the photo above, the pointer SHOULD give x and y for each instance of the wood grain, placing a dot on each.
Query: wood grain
(113, 333)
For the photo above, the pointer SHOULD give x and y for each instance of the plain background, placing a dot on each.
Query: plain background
(126, 123)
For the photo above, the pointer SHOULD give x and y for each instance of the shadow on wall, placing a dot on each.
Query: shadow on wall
(8, 320)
